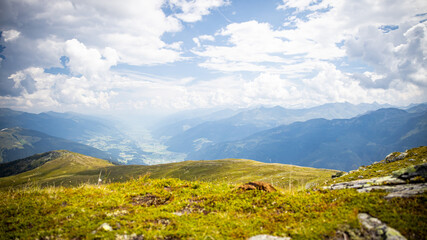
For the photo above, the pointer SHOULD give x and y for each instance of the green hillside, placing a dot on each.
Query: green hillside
(53, 169)
(170, 208)
(226, 170)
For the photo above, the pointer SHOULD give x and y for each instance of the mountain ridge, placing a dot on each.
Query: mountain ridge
(324, 143)
(17, 143)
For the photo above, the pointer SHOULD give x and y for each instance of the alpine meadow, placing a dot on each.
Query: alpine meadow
(213, 119)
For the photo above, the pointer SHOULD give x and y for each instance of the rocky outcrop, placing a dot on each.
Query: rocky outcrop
(406, 182)
(412, 172)
(396, 156)
(404, 190)
(365, 183)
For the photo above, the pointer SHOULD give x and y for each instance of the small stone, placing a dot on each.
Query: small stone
(268, 237)
(105, 227)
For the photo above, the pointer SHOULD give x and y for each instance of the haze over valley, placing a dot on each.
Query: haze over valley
(213, 119)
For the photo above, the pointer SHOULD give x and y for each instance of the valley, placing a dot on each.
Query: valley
(315, 137)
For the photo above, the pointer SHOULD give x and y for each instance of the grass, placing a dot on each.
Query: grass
(69, 171)
(178, 209)
(204, 204)
(56, 171)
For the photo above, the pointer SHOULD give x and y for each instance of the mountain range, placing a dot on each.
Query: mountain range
(17, 143)
(336, 136)
(190, 136)
(99, 134)
(342, 144)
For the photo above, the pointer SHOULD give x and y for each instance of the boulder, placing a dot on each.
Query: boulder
(373, 228)
(396, 156)
(412, 172)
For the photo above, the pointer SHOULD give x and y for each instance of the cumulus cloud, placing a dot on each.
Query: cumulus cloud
(308, 60)
(249, 42)
(94, 36)
(193, 11)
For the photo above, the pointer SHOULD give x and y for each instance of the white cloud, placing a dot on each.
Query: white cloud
(207, 37)
(249, 42)
(10, 35)
(194, 10)
(290, 65)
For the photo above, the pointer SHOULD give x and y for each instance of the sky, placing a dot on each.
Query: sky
(169, 55)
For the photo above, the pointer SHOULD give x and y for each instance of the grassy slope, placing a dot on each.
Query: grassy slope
(226, 170)
(56, 171)
(170, 208)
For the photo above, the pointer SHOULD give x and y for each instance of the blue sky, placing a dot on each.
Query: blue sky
(171, 55)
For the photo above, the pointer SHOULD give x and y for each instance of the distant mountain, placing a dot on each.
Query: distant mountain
(250, 121)
(96, 132)
(17, 143)
(342, 144)
(54, 167)
(71, 126)
(179, 123)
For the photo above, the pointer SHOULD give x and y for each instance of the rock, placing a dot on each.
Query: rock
(105, 227)
(263, 186)
(268, 237)
(373, 228)
(396, 156)
(412, 172)
(407, 190)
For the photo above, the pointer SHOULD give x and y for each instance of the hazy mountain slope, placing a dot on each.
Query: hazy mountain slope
(248, 122)
(56, 170)
(175, 125)
(71, 169)
(96, 132)
(336, 144)
(17, 143)
(70, 126)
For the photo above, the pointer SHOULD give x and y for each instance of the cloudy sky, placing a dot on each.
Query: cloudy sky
(93, 55)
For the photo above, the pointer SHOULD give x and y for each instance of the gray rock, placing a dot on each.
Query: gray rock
(268, 237)
(412, 172)
(373, 228)
(396, 156)
(404, 190)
